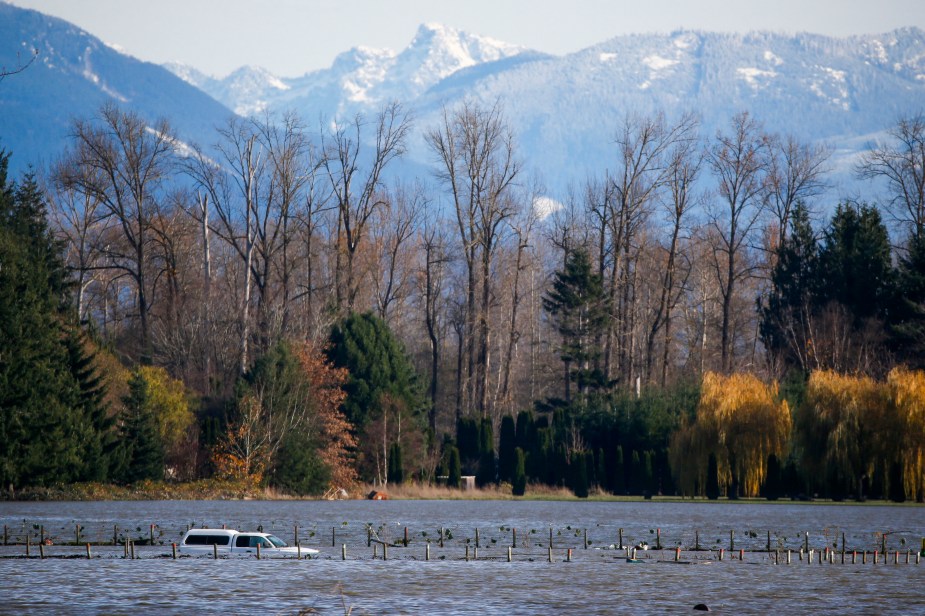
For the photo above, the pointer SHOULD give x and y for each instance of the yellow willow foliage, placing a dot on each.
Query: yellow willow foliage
(907, 398)
(170, 403)
(842, 419)
(741, 421)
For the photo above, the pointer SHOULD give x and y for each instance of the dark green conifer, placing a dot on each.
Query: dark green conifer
(396, 472)
(142, 452)
(454, 470)
(51, 413)
(519, 481)
(507, 442)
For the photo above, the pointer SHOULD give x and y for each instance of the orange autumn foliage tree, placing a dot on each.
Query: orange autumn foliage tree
(300, 392)
(739, 420)
(333, 429)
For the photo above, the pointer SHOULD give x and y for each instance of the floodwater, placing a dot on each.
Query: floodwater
(593, 580)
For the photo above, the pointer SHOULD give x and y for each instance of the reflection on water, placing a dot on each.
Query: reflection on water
(598, 580)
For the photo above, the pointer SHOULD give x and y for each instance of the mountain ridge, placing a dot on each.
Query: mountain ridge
(74, 74)
(565, 110)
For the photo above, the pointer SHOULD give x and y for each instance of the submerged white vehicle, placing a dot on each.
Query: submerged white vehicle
(210, 541)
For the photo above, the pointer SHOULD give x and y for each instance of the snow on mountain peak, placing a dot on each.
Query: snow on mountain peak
(438, 51)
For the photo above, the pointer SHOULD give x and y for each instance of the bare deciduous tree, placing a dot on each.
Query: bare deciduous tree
(394, 228)
(432, 277)
(739, 161)
(684, 161)
(641, 170)
(474, 148)
(80, 221)
(902, 165)
(796, 173)
(356, 183)
(234, 190)
(123, 164)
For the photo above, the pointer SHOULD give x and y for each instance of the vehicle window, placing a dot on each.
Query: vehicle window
(276, 541)
(243, 541)
(255, 541)
(207, 540)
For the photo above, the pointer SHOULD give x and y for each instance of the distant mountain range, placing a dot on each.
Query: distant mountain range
(565, 110)
(72, 76)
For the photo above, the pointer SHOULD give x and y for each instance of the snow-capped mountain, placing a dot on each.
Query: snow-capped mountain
(565, 111)
(359, 78)
(839, 91)
(72, 76)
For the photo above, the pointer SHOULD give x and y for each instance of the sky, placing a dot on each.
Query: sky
(292, 37)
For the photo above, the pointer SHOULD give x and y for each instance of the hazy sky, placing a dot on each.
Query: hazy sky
(291, 37)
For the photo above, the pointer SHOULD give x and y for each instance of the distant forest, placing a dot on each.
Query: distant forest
(694, 319)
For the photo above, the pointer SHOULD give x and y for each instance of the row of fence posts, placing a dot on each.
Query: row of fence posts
(78, 529)
(826, 555)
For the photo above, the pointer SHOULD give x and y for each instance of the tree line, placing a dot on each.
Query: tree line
(277, 307)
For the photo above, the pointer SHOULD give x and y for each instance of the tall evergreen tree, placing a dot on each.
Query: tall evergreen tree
(619, 472)
(577, 303)
(454, 470)
(579, 473)
(487, 472)
(792, 302)
(908, 320)
(50, 414)
(507, 443)
(519, 480)
(142, 452)
(378, 366)
(101, 438)
(856, 262)
(396, 471)
(468, 444)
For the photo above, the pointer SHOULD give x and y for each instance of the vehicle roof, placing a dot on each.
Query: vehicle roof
(212, 531)
(223, 531)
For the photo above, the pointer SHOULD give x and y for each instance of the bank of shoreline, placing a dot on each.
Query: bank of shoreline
(224, 490)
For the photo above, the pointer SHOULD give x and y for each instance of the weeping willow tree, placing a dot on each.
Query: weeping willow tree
(740, 421)
(907, 401)
(842, 426)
